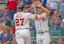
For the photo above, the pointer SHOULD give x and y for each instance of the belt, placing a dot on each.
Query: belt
(42, 32)
(22, 28)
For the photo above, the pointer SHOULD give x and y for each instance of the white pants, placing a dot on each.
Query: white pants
(43, 38)
(23, 36)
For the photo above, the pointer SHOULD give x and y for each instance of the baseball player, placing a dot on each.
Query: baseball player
(22, 20)
(41, 25)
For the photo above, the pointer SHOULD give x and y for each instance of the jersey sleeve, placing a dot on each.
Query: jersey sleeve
(30, 16)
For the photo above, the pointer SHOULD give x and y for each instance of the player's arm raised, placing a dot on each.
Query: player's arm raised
(44, 9)
(31, 16)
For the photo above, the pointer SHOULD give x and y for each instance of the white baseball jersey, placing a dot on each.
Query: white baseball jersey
(22, 20)
(40, 24)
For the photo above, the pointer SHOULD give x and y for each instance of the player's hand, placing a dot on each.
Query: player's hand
(33, 5)
(39, 5)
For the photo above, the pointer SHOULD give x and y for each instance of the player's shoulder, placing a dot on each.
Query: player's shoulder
(28, 13)
(18, 13)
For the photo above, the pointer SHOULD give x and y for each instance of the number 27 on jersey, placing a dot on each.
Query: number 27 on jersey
(19, 21)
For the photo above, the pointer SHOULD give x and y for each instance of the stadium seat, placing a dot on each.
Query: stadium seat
(3, 23)
(33, 34)
(62, 16)
(50, 28)
(55, 32)
(61, 7)
(50, 21)
(62, 31)
(12, 42)
(32, 22)
(12, 23)
(55, 38)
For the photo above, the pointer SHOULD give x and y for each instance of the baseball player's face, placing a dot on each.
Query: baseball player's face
(24, 10)
(39, 10)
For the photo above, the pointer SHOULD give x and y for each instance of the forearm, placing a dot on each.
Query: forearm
(59, 21)
(8, 19)
(8, 42)
(0, 42)
(45, 10)
(1, 20)
(31, 8)
(48, 6)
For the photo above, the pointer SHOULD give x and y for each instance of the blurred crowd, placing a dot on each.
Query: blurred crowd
(7, 29)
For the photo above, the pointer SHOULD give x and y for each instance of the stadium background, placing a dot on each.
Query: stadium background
(56, 35)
